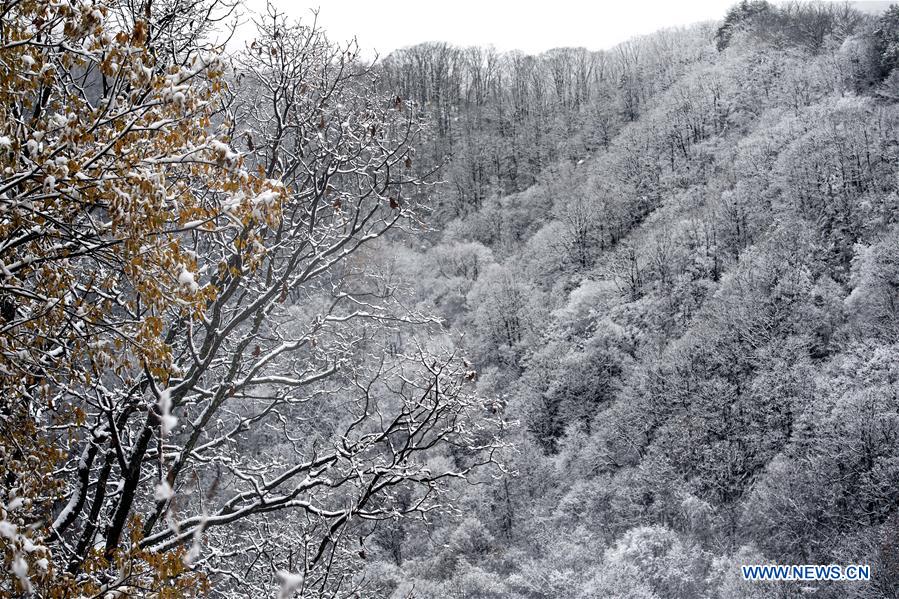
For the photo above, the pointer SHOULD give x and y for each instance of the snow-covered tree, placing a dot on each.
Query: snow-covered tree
(177, 311)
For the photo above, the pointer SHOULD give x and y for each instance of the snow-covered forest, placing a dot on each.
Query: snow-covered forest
(279, 321)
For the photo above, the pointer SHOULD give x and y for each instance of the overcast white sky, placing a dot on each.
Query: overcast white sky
(533, 27)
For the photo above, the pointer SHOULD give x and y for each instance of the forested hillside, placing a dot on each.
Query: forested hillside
(674, 266)
(279, 322)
